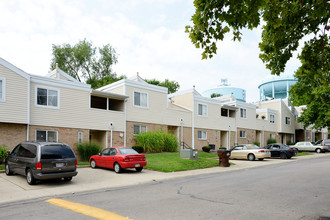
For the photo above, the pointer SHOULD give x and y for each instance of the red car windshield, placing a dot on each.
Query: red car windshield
(127, 151)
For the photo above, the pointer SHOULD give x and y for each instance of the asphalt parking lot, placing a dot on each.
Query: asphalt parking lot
(15, 188)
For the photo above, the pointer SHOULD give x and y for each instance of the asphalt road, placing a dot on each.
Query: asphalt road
(296, 190)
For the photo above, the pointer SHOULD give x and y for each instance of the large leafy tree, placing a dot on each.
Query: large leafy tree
(172, 86)
(285, 23)
(85, 62)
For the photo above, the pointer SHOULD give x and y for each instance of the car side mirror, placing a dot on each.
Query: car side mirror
(99, 154)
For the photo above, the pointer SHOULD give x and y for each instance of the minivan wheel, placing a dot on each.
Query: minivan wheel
(251, 157)
(8, 172)
(318, 150)
(93, 164)
(29, 177)
(117, 168)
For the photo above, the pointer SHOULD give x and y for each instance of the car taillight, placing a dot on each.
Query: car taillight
(143, 159)
(126, 159)
(39, 166)
(290, 149)
(76, 163)
(261, 151)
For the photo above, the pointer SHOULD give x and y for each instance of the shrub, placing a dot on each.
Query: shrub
(138, 148)
(256, 143)
(206, 149)
(157, 141)
(88, 149)
(222, 148)
(271, 141)
(290, 143)
(3, 153)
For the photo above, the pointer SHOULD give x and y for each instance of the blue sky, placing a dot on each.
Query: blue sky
(148, 36)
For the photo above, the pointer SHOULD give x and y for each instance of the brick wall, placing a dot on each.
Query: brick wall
(12, 134)
(65, 135)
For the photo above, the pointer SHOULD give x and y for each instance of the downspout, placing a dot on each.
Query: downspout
(193, 120)
(125, 116)
(228, 145)
(28, 109)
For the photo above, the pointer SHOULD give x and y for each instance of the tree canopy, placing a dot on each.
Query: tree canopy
(285, 23)
(85, 62)
(172, 86)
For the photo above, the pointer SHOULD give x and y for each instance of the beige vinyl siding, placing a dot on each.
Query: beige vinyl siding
(173, 117)
(184, 100)
(117, 90)
(250, 121)
(287, 113)
(14, 109)
(157, 104)
(74, 112)
(213, 120)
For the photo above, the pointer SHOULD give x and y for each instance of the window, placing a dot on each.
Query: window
(272, 118)
(139, 129)
(202, 110)
(141, 99)
(242, 112)
(202, 135)
(43, 135)
(47, 97)
(2, 89)
(242, 134)
(80, 137)
(307, 134)
(272, 136)
(287, 120)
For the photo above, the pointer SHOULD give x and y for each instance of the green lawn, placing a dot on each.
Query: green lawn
(303, 154)
(2, 167)
(169, 162)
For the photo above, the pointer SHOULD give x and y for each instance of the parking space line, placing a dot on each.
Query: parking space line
(86, 210)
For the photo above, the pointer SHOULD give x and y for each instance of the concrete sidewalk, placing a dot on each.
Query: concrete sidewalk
(15, 188)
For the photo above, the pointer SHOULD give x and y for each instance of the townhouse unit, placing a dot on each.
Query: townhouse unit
(57, 107)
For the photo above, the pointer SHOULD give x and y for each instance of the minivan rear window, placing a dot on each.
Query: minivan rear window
(56, 152)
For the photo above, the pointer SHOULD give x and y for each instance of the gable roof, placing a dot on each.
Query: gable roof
(60, 72)
(13, 68)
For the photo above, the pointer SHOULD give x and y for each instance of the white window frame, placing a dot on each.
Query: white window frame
(204, 108)
(48, 88)
(272, 118)
(140, 106)
(242, 110)
(242, 134)
(47, 134)
(80, 137)
(140, 128)
(287, 120)
(202, 135)
(3, 90)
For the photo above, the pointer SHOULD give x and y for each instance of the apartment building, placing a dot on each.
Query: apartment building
(57, 107)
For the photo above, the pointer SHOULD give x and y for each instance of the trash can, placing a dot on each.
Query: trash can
(224, 158)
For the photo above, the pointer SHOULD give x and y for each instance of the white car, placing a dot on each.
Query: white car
(250, 152)
(308, 146)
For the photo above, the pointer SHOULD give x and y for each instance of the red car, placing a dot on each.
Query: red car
(118, 158)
